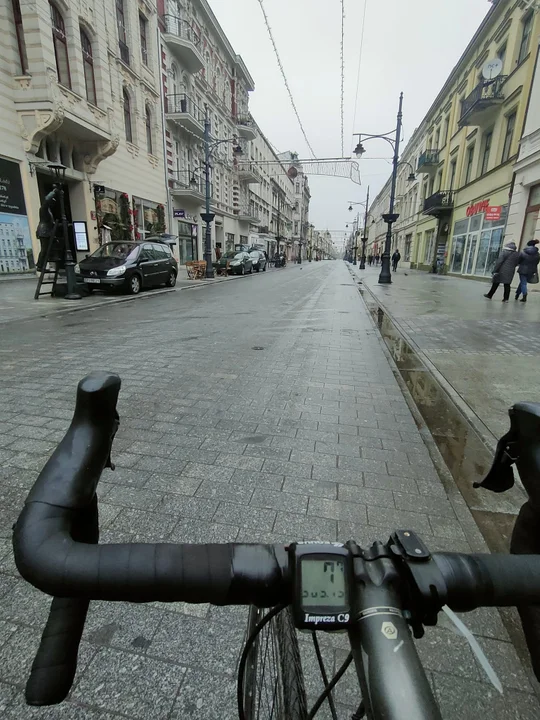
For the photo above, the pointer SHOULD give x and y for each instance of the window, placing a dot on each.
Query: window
(429, 245)
(526, 31)
(452, 174)
(60, 46)
(122, 37)
(508, 136)
(17, 17)
(445, 131)
(148, 124)
(501, 54)
(488, 137)
(437, 138)
(88, 65)
(127, 116)
(143, 32)
(469, 164)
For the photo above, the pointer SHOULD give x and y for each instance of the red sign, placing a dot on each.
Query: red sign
(478, 207)
(493, 213)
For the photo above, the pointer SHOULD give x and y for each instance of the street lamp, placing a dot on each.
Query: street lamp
(59, 171)
(390, 217)
(207, 217)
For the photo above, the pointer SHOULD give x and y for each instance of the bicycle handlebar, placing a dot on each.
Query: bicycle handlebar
(56, 550)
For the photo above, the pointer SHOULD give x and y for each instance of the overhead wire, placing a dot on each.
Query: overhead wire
(359, 63)
(287, 86)
(342, 75)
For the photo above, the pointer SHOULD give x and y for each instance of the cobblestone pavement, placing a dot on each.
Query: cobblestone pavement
(260, 410)
(487, 350)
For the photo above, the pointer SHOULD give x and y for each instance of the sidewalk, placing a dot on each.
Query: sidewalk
(487, 350)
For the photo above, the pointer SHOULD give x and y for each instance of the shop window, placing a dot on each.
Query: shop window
(60, 46)
(127, 116)
(143, 34)
(88, 64)
(469, 164)
(122, 35)
(526, 31)
(486, 149)
(148, 125)
(21, 43)
(508, 136)
(531, 216)
(429, 246)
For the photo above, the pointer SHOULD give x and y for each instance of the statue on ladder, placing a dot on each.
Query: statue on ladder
(45, 229)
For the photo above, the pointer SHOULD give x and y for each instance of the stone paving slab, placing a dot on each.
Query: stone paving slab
(307, 437)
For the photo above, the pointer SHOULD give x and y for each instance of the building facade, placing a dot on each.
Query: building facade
(453, 216)
(80, 87)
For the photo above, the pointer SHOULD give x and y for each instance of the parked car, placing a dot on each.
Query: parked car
(240, 263)
(130, 266)
(259, 260)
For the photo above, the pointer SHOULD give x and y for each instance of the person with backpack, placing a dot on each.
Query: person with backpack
(396, 257)
(527, 268)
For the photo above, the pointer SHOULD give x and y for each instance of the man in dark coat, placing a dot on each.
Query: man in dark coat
(396, 257)
(528, 262)
(504, 270)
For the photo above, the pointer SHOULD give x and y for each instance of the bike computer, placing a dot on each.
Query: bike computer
(322, 575)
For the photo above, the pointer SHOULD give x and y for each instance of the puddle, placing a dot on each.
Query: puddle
(465, 454)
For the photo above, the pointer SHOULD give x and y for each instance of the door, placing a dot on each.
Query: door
(148, 265)
(470, 251)
(162, 264)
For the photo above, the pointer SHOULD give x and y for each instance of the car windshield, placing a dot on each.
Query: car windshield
(230, 254)
(120, 251)
(239, 256)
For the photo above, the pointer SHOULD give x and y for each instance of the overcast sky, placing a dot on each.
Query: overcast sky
(409, 45)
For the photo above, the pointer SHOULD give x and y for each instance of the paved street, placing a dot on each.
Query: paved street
(485, 349)
(258, 410)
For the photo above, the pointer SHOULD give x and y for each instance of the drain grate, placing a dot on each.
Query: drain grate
(257, 347)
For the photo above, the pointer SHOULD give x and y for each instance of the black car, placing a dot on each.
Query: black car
(259, 260)
(130, 266)
(238, 263)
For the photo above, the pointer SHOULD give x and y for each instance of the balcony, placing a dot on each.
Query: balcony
(246, 128)
(182, 110)
(187, 191)
(183, 42)
(247, 214)
(248, 173)
(481, 106)
(428, 162)
(439, 203)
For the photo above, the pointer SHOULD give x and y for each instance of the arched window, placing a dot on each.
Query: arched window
(60, 46)
(127, 116)
(88, 64)
(148, 123)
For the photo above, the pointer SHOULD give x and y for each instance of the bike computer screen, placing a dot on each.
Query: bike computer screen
(321, 585)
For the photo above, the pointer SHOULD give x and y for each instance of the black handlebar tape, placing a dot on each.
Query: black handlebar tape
(55, 663)
(48, 557)
(70, 476)
(474, 581)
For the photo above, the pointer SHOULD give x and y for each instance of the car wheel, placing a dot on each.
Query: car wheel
(257, 269)
(134, 285)
(171, 280)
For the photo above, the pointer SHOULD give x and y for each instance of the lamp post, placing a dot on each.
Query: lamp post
(207, 217)
(60, 174)
(390, 217)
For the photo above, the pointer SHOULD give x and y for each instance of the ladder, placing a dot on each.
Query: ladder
(45, 271)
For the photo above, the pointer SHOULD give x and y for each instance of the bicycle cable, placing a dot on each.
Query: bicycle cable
(243, 659)
(323, 674)
(328, 689)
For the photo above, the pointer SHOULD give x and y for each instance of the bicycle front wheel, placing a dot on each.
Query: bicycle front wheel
(273, 678)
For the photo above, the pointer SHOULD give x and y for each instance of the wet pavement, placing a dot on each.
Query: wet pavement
(262, 410)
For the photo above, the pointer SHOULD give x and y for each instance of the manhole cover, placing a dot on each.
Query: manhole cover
(257, 347)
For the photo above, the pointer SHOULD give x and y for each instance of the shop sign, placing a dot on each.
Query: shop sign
(14, 219)
(478, 207)
(493, 213)
(179, 213)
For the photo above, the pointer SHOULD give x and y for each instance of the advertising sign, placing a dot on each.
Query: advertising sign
(179, 213)
(15, 243)
(493, 213)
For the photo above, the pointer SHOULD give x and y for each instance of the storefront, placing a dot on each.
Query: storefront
(187, 242)
(478, 239)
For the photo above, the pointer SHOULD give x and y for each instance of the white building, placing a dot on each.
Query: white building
(80, 86)
(524, 214)
(302, 196)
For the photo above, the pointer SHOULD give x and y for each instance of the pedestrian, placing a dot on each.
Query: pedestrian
(527, 268)
(377, 259)
(370, 259)
(396, 257)
(218, 251)
(504, 270)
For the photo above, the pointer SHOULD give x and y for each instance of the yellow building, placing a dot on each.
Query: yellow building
(452, 218)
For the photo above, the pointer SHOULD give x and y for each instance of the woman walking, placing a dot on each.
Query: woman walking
(504, 270)
(528, 263)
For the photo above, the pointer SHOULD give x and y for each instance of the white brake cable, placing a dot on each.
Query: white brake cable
(475, 647)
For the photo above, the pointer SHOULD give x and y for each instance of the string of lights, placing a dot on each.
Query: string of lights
(280, 64)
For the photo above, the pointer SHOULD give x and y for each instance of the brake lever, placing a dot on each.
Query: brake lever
(116, 425)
